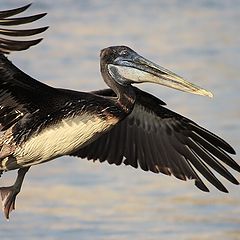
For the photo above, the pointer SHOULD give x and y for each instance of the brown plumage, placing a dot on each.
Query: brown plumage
(119, 125)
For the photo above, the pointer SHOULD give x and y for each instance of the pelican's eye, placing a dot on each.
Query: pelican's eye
(123, 53)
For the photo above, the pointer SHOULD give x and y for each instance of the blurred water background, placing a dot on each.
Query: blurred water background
(71, 198)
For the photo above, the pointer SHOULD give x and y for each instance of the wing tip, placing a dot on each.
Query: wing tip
(14, 11)
(236, 182)
(201, 186)
(231, 150)
(8, 45)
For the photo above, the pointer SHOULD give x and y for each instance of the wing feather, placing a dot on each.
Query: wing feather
(157, 139)
(9, 45)
(12, 12)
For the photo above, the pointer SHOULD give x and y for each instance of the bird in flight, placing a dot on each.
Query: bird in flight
(121, 124)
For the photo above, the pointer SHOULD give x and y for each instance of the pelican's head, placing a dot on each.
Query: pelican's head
(126, 67)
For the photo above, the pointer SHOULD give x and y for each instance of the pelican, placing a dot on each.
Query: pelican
(122, 124)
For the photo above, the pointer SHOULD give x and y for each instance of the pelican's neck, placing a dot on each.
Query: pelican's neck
(125, 93)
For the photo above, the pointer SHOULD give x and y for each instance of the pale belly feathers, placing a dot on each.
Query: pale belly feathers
(61, 139)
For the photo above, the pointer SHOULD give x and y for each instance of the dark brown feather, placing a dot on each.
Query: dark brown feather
(9, 45)
(160, 140)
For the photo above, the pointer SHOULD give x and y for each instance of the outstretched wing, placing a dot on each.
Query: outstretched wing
(21, 97)
(160, 140)
(6, 44)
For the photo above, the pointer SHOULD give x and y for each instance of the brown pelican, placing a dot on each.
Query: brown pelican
(119, 125)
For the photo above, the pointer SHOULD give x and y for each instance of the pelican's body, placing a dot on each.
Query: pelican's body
(68, 135)
(63, 130)
(119, 125)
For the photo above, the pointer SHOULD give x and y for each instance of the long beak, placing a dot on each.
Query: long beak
(138, 70)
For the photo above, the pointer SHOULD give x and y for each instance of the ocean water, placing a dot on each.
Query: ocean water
(72, 198)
